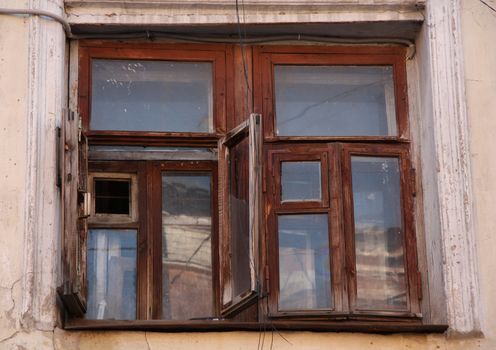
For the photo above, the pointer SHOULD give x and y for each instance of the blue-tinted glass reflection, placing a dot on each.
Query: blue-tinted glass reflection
(111, 274)
(379, 238)
(300, 181)
(304, 269)
(151, 96)
(334, 101)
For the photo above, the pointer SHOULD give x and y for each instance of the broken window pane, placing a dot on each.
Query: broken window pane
(379, 248)
(304, 269)
(164, 96)
(334, 101)
(111, 274)
(187, 285)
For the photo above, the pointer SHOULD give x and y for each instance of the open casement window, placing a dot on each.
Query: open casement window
(240, 195)
(75, 211)
(302, 219)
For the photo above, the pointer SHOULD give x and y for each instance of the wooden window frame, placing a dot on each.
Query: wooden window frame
(148, 224)
(266, 57)
(340, 148)
(217, 54)
(114, 218)
(232, 100)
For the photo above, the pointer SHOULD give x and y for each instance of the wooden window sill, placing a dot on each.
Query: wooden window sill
(225, 326)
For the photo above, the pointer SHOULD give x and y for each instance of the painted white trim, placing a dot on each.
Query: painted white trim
(174, 12)
(45, 98)
(454, 178)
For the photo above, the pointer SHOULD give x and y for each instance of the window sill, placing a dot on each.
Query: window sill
(379, 327)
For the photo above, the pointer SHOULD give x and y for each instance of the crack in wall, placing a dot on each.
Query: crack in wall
(8, 313)
(147, 343)
(9, 337)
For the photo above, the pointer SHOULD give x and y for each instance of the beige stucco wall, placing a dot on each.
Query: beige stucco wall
(18, 331)
(479, 29)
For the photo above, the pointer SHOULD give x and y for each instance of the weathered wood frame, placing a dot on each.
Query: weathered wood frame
(260, 93)
(217, 54)
(341, 228)
(251, 129)
(266, 57)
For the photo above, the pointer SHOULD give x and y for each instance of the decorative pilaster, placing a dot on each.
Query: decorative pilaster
(46, 98)
(454, 179)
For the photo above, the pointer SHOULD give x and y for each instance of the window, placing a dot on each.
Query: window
(339, 202)
(188, 209)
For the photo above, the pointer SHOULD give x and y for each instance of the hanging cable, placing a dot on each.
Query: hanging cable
(41, 13)
(242, 46)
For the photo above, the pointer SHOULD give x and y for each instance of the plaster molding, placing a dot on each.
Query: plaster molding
(174, 12)
(45, 63)
(454, 177)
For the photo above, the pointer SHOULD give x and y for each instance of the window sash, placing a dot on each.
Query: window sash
(232, 302)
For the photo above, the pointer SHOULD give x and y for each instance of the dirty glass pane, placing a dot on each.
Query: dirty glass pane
(304, 269)
(187, 287)
(137, 95)
(334, 101)
(112, 196)
(300, 181)
(379, 233)
(111, 274)
(239, 217)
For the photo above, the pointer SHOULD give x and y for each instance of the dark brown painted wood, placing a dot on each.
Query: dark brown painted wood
(232, 105)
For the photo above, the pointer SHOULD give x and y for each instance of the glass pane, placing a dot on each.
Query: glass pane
(111, 274)
(187, 287)
(334, 101)
(112, 196)
(239, 217)
(151, 96)
(379, 248)
(304, 269)
(300, 181)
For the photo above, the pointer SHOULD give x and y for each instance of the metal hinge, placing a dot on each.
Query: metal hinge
(266, 277)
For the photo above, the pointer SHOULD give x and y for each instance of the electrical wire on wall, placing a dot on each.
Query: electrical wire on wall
(242, 37)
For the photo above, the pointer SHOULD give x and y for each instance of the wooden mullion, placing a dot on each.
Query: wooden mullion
(349, 229)
(155, 239)
(142, 268)
(410, 243)
(337, 238)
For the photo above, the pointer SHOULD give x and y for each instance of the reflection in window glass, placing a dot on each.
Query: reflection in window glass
(304, 269)
(111, 274)
(151, 96)
(300, 181)
(187, 289)
(334, 101)
(378, 233)
(239, 216)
